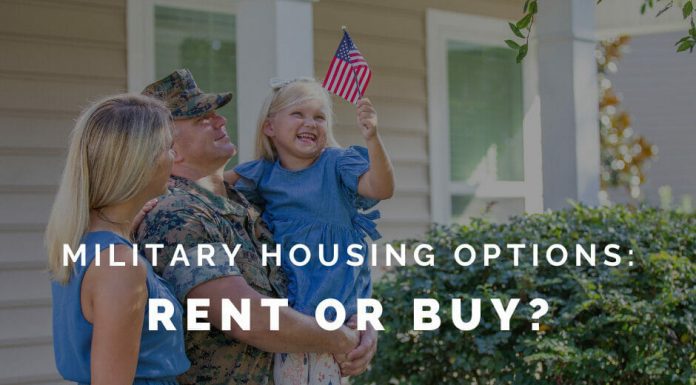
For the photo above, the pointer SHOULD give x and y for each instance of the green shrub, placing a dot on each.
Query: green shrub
(605, 325)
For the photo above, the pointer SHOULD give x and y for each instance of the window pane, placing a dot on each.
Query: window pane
(485, 112)
(205, 43)
(496, 210)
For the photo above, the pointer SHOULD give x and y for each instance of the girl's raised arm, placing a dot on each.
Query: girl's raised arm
(378, 181)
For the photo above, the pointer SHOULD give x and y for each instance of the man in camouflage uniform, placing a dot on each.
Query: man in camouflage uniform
(201, 209)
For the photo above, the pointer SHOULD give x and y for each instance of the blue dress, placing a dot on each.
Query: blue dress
(161, 357)
(313, 206)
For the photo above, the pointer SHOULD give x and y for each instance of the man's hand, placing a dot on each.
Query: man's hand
(358, 359)
(149, 205)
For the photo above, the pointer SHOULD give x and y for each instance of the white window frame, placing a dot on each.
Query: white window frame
(141, 41)
(443, 26)
(274, 38)
(141, 34)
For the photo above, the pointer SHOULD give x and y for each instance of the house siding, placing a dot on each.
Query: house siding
(391, 36)
(657, 88)
(56, 57)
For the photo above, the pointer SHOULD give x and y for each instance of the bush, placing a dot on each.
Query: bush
(605, 325)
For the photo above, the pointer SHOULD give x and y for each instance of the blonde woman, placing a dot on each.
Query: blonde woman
(119, 158)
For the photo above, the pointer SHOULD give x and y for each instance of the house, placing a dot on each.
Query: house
(438, 65)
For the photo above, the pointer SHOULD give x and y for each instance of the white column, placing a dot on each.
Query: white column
(569, 102)
(274, 39)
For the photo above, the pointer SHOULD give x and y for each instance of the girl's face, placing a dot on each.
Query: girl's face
(298, 133)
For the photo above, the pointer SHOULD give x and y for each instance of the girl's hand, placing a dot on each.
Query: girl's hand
(367, 118)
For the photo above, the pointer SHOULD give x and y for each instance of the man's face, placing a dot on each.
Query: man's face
(203, 141)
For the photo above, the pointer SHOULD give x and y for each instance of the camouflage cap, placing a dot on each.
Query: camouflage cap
(183, 97)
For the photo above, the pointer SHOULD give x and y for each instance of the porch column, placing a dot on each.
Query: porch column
(274, 39)
(569, 102)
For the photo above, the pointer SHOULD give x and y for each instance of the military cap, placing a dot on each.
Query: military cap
(183, 97)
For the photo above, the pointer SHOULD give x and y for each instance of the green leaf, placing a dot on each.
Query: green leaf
(684, 46)
(526, 5)
(683, 39)
(516, 31)
(512, 44)
(533, 7)
(643, 8)
(522, 53)
(524, 22)
(688, 8)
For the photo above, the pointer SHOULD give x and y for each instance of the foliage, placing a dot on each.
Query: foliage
(523, 27)
(605, 325)
(623, 153)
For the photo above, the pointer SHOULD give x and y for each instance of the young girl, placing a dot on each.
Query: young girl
(311, 191)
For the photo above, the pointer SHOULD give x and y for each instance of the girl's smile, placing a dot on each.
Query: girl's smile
(298, 133)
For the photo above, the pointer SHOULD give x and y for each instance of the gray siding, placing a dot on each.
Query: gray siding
(56, 57)
(658, 87)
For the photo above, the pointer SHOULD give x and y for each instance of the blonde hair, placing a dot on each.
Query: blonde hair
(287, 94)
(113, 149)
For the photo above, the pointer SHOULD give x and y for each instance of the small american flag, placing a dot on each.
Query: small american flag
(348, 74)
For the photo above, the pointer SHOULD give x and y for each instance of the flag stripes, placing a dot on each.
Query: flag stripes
(348, 75)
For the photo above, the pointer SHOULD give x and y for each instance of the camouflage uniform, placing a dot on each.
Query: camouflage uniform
(191, 215)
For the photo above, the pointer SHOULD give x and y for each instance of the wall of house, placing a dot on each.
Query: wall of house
(56, 56)
(656, 85)
(391, 36)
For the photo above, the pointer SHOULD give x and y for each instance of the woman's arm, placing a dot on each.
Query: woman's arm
(378, 181)
(113, 299)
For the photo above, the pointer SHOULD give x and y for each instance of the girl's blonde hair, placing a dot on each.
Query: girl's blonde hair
(287, 94)
(113, 151)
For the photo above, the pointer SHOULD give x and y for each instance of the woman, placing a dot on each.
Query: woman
(119, 158)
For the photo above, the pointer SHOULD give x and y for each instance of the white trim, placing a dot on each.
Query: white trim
(137, 32)
(491, 189)
(438, 119)
(609, 33)
(141, 34)
(274, 38)
(531, 131)
(441, 26)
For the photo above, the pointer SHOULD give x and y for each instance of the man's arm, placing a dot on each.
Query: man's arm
(359, 358)
(298, 332)
(177, 221)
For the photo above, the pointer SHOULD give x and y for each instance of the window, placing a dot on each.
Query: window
(200, 36)
(479, 112)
